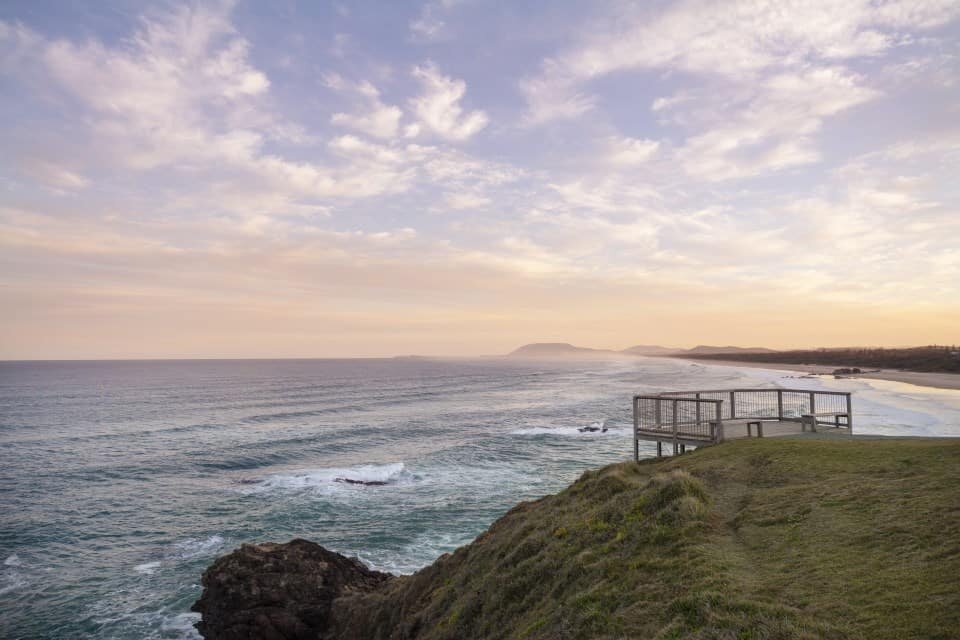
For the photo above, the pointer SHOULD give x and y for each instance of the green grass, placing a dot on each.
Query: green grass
(754, 539)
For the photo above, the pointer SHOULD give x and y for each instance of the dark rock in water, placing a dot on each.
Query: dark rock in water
(249, 481)
(846, 371)
(591, 429)
(276, 591)
(369, 483)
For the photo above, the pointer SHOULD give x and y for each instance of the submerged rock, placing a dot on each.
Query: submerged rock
(276, 591)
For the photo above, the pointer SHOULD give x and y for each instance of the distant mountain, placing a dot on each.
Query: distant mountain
(707, 349)
(650, 350)
(556, 350)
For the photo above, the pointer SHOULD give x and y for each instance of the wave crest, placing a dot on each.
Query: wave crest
(335, 478)
(592, 430)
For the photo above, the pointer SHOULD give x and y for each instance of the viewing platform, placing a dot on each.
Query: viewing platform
(700, 418)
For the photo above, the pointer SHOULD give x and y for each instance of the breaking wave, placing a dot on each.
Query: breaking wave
(592, 430)
(333, 478)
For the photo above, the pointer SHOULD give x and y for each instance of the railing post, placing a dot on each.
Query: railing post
(698, 410)
(849, 414)
(675, 443)
(813, 402)
(718, 410)
(780, 405)
(636, 428)
(733, 405)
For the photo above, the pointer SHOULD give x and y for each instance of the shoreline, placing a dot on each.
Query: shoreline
(949, 381)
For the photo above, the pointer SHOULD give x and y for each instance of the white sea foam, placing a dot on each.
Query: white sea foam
(11, 580)
(415, 555)
(161, 624)
(198, 547)
(147, 568)
(180, 626)
(584, 431)
(326, 479)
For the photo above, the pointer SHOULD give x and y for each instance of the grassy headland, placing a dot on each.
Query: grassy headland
(762, 538)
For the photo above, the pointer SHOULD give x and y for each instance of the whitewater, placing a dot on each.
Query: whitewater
(121, 481)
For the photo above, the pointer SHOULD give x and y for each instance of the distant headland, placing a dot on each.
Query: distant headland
(565, 350)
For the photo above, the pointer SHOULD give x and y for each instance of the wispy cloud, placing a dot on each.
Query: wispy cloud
(373, 117)
(438, 106)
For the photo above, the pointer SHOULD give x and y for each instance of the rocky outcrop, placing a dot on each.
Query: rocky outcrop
(275, 591)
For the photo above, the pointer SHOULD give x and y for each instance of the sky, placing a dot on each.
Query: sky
(460, 177)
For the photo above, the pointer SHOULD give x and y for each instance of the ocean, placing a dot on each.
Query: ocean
(120, 481)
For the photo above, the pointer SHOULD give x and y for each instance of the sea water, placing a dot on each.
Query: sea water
(121, 481)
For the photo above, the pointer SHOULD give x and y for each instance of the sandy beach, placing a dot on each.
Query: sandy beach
(920, 378)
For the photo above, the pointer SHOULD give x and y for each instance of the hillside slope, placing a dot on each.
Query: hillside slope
(763, 538)
(760, 539)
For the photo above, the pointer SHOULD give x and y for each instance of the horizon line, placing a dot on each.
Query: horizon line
(449, 356)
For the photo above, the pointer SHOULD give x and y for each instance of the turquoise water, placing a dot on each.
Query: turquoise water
(121, 481)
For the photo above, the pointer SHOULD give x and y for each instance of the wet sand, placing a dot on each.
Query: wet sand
(936, 380)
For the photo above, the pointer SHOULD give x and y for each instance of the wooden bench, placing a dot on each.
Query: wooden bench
(813, 419)
(806, 420)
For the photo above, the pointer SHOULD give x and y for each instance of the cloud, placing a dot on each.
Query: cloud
(630, 151)
(459, 201)
(181, 86)
(771, 127)
(438, 106)
(373, 118)
(430, 24)
(55, 175)
(426, 26)
(554, 95)
(728, 38)
(182, 93)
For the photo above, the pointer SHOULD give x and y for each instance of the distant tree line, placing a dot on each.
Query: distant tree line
(932, 358)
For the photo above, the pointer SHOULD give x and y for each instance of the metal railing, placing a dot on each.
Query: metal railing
(697, 417)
